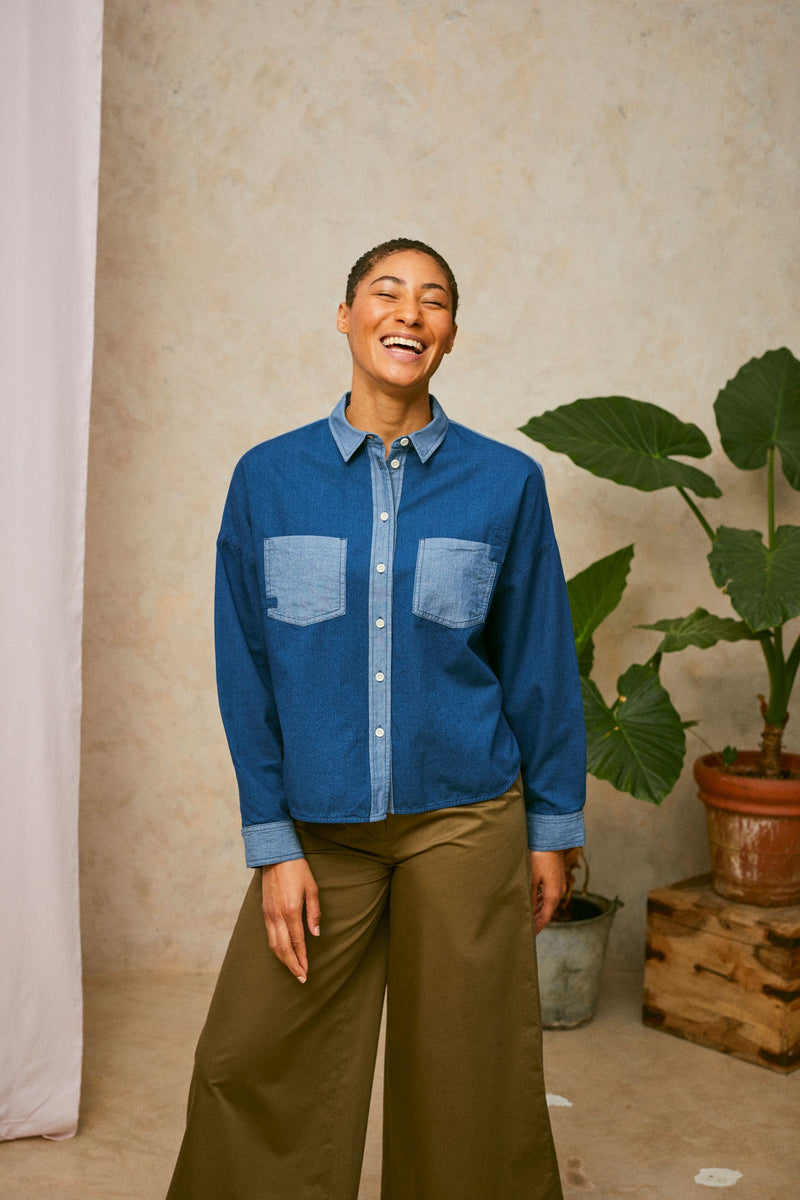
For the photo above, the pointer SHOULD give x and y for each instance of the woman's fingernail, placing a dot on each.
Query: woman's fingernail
(301, 978)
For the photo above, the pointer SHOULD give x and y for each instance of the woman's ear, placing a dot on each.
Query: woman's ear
(343, 318)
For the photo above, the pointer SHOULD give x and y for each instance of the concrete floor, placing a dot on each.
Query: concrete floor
(648, 1112)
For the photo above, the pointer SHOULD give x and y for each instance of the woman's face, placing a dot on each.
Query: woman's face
(400, 324)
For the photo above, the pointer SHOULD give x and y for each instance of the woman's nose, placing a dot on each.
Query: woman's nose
(408, 310)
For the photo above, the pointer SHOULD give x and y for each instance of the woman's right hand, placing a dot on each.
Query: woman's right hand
(287, 888)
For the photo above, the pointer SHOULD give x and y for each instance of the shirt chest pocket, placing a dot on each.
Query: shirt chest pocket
(453, 581)
(305, 578)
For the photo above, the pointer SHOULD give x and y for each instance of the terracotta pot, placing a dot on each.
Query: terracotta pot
(753, 831)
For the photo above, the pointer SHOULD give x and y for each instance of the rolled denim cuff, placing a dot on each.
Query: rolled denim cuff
(272, 842)
(555, 831)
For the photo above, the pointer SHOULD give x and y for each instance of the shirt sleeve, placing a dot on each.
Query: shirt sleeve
(246, 696)
(532, 650)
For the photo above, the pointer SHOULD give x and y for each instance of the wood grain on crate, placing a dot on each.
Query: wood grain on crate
(724, 975)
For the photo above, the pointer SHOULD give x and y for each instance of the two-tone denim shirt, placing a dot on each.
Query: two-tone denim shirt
(393, 634)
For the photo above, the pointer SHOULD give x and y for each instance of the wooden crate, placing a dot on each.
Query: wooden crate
(725, 975)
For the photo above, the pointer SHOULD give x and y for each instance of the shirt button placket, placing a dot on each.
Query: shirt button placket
(380, 637)
(383, 601)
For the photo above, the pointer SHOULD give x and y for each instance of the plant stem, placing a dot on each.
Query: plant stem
(655, 662)
(792, 663)
(769, 652)
(771, 745)
(697, 512)
(782, 672)
(775, 712)
(771, 495)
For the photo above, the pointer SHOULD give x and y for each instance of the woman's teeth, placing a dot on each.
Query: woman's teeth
(403, 344)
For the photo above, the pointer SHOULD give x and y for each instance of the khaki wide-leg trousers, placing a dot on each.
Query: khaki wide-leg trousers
(435, 910)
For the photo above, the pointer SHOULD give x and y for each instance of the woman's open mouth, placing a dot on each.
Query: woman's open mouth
(402, 346)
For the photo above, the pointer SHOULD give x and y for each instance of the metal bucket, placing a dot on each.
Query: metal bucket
(571, 956)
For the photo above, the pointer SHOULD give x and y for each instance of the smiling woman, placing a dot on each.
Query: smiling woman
(399, 325)
(398, 683)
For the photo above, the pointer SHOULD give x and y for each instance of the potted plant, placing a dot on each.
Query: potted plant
(752, 798)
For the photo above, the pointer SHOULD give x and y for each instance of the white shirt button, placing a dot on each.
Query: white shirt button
(381, 567)
(379, 675)
(403, 441)
(395, 463)
(384, 516)
(380, 622)
(379, 732)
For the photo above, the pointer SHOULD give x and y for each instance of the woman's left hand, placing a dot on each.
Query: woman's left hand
(548, 884)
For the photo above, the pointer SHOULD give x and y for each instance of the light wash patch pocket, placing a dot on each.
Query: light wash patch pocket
(453, 581)
(305, 578)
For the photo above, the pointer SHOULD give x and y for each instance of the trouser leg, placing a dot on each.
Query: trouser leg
(280, 1094)
(465, 1114)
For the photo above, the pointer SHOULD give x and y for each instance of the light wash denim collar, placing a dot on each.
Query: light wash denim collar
(425, 441)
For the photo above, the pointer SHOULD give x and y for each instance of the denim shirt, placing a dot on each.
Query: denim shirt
(393, 635)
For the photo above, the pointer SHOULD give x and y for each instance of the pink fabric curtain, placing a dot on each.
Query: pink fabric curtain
(50, 71)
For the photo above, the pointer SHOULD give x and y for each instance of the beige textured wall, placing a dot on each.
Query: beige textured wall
(615, 183)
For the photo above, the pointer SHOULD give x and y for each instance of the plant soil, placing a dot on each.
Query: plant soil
(751, 773)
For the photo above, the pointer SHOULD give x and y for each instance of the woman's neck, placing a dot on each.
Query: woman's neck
(389, 417)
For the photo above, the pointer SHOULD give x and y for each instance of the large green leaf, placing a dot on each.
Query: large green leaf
(760, 408)
(638, 744)
(701, 629)
(593, 594)
(629, 441)
(763, 584)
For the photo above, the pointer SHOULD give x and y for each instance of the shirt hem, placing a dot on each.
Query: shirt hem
(435, 806)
